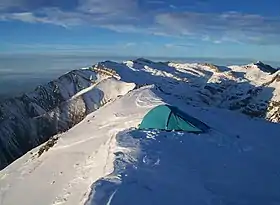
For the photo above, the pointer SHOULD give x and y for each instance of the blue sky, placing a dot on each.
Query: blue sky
(190, 28)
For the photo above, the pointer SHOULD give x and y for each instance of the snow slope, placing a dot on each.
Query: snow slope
(250, 89)
(153, 167)
(236, 163)
(81, 156)
(29, 120)
(57, 106)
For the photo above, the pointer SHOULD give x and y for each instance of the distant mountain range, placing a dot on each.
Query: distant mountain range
(31, 119)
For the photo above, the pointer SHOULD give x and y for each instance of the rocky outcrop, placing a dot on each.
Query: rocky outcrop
(273, 112)
(265, 67)
(212, 66)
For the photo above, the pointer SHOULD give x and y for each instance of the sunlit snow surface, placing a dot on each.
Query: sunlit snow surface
(106, 160)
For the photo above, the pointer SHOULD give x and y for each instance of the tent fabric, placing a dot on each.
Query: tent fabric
(165, 117)
(177, 123)
(193, 121)
(157, 118)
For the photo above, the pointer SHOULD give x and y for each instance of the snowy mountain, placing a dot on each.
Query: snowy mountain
(248, 88)
(31, 119)
(104, 158)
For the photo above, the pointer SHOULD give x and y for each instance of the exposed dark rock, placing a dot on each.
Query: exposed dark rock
(265, 67)
(49, 144)
(212, 66)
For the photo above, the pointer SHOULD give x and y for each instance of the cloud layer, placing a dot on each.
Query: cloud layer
(136, 16)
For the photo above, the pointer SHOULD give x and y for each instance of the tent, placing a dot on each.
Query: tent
(166, 117)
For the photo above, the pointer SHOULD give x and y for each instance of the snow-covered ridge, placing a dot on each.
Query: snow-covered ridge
(105, 158)
(252, 89)
(31, 119)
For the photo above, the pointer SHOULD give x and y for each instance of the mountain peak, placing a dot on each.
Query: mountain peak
(265, 67)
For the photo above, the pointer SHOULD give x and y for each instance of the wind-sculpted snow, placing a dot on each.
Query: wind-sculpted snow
(155, 167)
(29, 120)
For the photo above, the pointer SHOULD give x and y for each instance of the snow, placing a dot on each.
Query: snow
(105, 160)
(31, 121)
(81, 156)
(177, 168)
(236, 163)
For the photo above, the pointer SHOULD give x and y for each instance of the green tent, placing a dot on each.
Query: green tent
(166, 117)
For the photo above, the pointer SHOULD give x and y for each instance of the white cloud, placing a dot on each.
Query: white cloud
(25, 16)
(241, 27)
(48, 16)
(128, 16)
